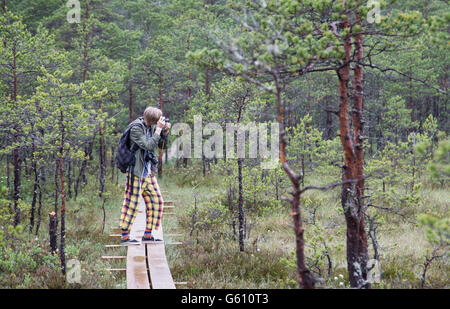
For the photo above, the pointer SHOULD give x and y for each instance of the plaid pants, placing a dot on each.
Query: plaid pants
(153, 202)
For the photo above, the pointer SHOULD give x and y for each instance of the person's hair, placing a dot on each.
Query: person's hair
(152, 115)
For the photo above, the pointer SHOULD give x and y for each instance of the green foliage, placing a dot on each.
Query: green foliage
(309, 150)
(439, 167)
(437, 230)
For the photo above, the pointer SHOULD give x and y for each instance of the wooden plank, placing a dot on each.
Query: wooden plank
(115, 235)
(174, 243)
(160, 275)
(113, 246)
(137, 276)
(105, 257)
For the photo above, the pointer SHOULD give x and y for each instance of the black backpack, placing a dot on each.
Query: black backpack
(125, 155)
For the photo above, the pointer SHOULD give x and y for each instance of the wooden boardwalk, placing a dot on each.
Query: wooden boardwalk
(146, 264)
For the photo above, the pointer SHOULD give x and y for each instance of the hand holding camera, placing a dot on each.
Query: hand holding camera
(161, 122)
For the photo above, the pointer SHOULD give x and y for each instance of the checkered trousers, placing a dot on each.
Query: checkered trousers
(152, 198)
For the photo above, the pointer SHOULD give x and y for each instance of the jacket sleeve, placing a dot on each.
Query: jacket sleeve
(137, 135)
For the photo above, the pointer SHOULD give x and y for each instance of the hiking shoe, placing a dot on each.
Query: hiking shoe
(149, 239)
(128, 241)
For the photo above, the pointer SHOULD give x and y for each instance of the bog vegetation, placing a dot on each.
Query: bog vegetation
(359, 197)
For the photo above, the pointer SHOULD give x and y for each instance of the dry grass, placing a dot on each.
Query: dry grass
(215, 261)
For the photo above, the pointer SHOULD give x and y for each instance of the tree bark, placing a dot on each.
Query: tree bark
(102, 156)
(69, 179)
(39, 212)
(35, 188)
(16, 158)
(52, 230)
(62, 245)
(8, 177)
(411, 102)
(240, 207)
(86, 46)
(82, 176)
(56, 192)
(352, 193)
(304, 277)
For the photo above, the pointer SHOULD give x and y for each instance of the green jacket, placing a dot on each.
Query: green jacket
(138, 136)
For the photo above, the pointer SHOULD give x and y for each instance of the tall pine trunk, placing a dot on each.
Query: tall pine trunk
(102, 154)
(35, 188)
(240, 207)
(62, 245)
(39, 210)
(16, 157)
(352, 195)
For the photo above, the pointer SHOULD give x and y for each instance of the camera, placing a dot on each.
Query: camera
(151, 157)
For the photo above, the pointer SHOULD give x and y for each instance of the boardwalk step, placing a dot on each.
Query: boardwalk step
(105, 257)
(174, 243)
(113, 246)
